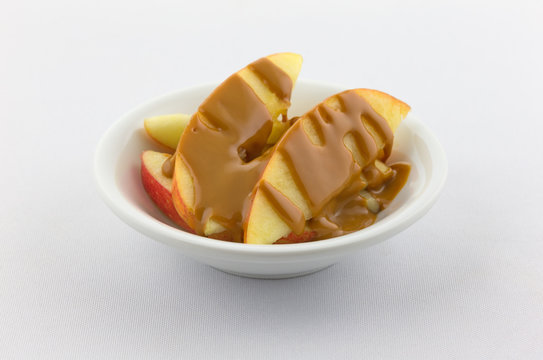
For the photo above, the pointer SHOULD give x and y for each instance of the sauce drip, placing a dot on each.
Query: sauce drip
(284, 207)
(273, 77)
(168, 166)
(223, 144)
(349, 211)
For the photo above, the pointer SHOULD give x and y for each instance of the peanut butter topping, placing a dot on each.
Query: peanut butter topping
(326, 173)
(223, 146)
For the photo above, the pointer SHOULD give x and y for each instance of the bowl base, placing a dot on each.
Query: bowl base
(273, 276)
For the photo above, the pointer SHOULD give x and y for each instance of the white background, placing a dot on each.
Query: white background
(465, 282)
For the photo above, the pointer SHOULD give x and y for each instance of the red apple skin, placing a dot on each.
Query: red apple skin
(160, 195)
(224, 236)
(181, 209)
(292, 238)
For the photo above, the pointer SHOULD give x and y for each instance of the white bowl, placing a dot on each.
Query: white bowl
(117, 171)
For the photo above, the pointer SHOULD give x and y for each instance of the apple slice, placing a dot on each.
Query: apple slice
(332, 152)
(158, 186)
(167, 129)
(218, 158)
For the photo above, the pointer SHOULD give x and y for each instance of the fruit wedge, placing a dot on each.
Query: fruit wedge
(325, 159)
(167, 129)
(224, 148)
(158, 186)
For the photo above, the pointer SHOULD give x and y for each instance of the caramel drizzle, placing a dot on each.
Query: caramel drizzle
(349, 212)
(284, 207)
(273, 77)
(222, 147)
(326, 173)
(169, 165)
(388, 190)
(322, 172)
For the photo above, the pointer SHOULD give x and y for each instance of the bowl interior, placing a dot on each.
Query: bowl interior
(117, 163)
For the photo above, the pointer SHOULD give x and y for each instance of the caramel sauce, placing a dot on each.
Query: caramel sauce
(223, 144)
(168, 166)
(290, 214)
(349, 212)
(275, 78)
(323, 171)
(326, 173)
(389, 189)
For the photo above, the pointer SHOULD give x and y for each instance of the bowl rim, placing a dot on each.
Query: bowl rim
(160, 231)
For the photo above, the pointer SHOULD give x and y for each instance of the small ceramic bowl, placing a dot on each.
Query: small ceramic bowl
(117, 171)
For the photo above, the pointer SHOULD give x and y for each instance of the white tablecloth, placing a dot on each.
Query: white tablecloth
(465, 282)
